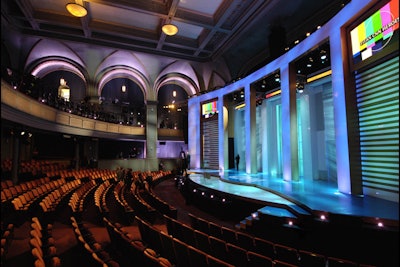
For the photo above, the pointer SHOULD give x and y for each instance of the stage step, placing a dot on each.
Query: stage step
(247, 222)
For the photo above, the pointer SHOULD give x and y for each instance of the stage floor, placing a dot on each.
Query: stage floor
(317, 195)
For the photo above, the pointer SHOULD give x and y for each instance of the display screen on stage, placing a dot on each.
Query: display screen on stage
(375, 32)
(209, 109)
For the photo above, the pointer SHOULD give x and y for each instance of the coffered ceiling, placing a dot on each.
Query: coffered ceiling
(246, 34)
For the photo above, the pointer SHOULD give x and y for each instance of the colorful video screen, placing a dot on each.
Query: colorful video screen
(374, 33)
(208, 109)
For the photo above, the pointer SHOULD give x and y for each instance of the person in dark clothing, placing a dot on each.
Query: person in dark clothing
(188, 160)
(182, 156)
(237, 161)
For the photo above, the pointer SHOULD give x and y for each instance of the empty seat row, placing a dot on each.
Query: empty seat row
(93, 252)
(42, 245)
(133, 251)
(175, 250)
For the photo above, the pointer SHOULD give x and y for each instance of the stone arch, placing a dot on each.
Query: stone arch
(127, 72)
(123, 64)
(180, 73)
(45, 66)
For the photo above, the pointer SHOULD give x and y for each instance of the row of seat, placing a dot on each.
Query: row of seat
(51, 201)
(153, 200)
(92, 251)
(10, 191)
(99, 197)
(139, 205)
(7, 235)
(76, 202)
(212, 236)
(35, 166)
(42, 245)
(132, 251)
(176, 251)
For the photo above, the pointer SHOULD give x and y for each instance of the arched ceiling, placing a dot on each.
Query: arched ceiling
(236, 31)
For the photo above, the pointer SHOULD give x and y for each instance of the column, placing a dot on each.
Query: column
(289, 123)
(340, 115)
(221, 133)
(194, 132)
(250, 121)
(151, 135)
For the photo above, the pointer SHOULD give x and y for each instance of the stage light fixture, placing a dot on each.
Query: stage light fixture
(170, 29)
(76, 9)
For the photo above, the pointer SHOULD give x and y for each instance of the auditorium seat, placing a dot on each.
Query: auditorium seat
(193, 221)
(307, 258)
(264, 247)
(236, 255)
(215, 262)
(197, 257)
(339, 262)
(286, 254)
(258, 260)
(229, 235)
(167, 247)
(187, 233)
(218, 248)
(182, 253)
(203, 225)
(245, 240)
(154, 260)
(214, 230)
(202, 241)
(279, 263)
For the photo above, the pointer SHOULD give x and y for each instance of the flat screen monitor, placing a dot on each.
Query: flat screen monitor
(209, 109)
(375, 32)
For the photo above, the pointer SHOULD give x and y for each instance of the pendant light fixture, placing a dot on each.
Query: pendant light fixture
(76, 9)
(169, 29)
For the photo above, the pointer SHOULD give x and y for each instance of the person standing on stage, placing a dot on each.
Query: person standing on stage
(237, 161)
(182, 156)
(188, 160)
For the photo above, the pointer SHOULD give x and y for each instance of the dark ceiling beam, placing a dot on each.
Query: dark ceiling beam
(27, 9)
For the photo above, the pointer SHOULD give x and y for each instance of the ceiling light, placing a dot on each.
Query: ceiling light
(123, 89)
(76, 10)
(170, 29)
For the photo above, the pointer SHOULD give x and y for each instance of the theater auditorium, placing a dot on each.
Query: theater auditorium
(200, 133)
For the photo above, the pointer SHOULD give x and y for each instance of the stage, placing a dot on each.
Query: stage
(316, 195)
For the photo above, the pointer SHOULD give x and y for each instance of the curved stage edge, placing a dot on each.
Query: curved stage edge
(300, 198)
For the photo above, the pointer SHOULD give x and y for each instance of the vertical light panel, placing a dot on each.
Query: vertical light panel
(378, 105)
